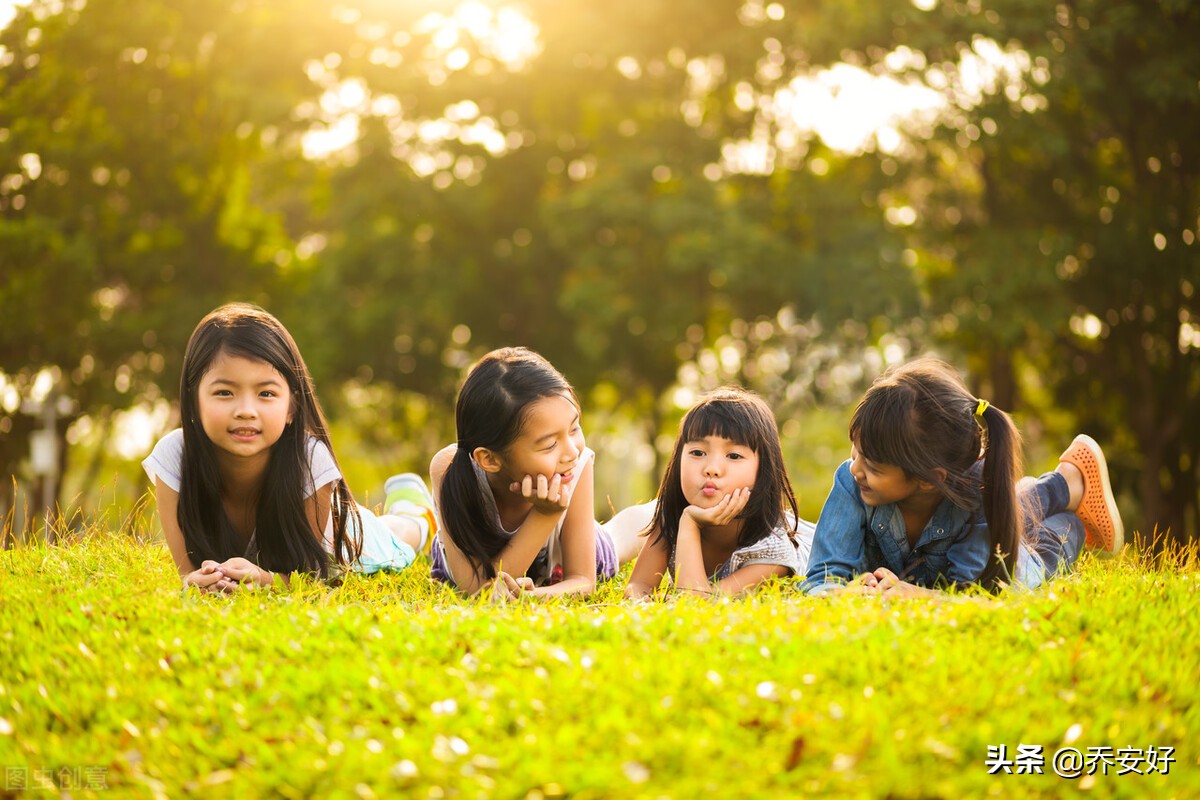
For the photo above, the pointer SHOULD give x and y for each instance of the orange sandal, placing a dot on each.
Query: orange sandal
(1097, 508)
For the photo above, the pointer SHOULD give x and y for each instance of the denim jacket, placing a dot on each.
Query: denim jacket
(853, 538)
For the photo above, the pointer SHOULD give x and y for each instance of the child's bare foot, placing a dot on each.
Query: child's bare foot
(1086, 471)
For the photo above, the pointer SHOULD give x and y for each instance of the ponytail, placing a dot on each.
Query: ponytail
(1001, 471)
(471, 525)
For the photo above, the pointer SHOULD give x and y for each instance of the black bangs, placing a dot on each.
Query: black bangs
(727, 418)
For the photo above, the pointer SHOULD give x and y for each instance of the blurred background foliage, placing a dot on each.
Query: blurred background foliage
(659, 197)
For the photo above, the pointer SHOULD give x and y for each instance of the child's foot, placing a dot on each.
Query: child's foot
(1097, 508)
(406, 495)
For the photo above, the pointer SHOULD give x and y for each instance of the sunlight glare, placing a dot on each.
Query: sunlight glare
(847, 107)
(324, 140)
(8, 11)
(135, 431)
(853, 111)
(505, 35)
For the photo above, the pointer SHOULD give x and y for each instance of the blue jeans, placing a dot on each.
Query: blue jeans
(1053, 533)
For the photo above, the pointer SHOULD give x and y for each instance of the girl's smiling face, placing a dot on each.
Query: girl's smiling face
(551, 441)
(712, 467)
(880, 484)
(244, 405)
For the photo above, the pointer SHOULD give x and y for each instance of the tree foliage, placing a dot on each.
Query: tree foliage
(1059, 219)
(617, 185)
(129, 133)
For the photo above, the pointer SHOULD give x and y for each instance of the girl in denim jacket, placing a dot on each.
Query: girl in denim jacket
(930, 497)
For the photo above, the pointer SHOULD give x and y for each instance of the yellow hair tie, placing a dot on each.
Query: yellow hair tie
(981, 407)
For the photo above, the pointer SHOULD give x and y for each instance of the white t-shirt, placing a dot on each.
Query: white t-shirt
(166, 462)
(380, 549)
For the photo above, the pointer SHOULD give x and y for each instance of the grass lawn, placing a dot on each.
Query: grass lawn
(114, 683)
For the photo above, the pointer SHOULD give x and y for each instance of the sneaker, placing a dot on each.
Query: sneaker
(407, 494)
(1097, 508)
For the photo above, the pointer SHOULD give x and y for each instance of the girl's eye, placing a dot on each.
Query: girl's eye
(696, 453)
(223, 393)
(736, 456)
(266, 393)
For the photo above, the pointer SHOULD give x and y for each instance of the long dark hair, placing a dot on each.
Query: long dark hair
(920, 417)
(283, 531)
(491, 410)
(742, 417)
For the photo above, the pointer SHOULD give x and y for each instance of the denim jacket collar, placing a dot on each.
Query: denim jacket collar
(891, 537)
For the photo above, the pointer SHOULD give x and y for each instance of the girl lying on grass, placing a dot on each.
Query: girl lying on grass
(249, 487)
(514, 493)
(725, 519)
(930, 496)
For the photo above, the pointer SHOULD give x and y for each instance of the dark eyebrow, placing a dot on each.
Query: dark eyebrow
(541, 439)
(268, 382)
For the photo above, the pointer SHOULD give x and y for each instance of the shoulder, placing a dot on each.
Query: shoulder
(842, 478)
(777, 547)
(795, 528)
(322, 466)
(844, 492)
(317, 450)
(171, 442)
(165, 461)
(441, 460)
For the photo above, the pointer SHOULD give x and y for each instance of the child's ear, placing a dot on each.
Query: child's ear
(928, 486)
(488, 460)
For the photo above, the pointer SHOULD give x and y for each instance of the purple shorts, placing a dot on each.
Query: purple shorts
(540, 570)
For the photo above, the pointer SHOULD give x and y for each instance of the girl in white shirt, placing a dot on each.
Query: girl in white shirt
(249, 488)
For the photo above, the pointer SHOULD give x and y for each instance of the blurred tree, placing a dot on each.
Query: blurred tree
(1059, 216)
(580, 193)
(129, 135)
(614, 184)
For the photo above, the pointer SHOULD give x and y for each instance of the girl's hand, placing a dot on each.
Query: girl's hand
(209, 578)
(638, 592)
(549, 496)
(723, 512)
(892, 587)
(244, 571)
(505, 587)
(866, 584)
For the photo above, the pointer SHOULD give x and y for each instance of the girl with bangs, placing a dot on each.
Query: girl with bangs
(932, 498)
(248, 489)
(725, 519)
